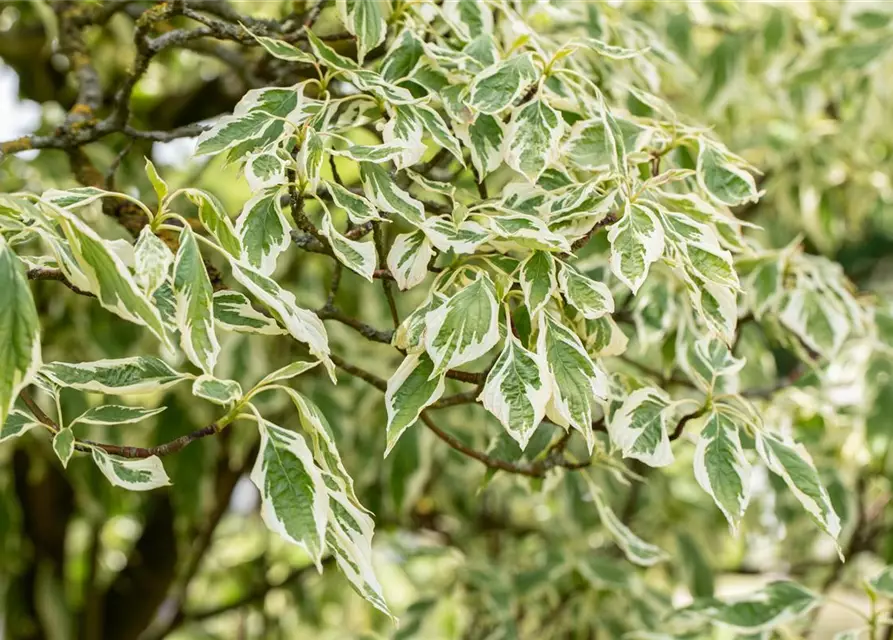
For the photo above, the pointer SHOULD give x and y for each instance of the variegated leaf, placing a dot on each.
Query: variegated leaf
(194, 299)
(411, 388)
(233, 312)
(134, 475)
(637, 240)
(408, 259)
(501, 84)
(721, 468)
(222, 392)
(531, 139)
(125, 376)
(152, 261)
(359, 257)
(537, 278)
(639, 427)
(387, 196)
(592, 299)
(263, 230)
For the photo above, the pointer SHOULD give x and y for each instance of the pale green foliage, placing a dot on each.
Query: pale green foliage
(572, 250)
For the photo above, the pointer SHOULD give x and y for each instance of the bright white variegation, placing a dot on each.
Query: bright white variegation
(233, 312)
(411, 388)
(20, 356)
(16, 424)
(152, 261)
(359, 257)
(464, 328)
(576, 380)
(107, 277)
(484, 138)
(222, 392)
(387, 196)
(194, 299)
(517, 390)
(794, 465)
(639, 427)
(365, 19)
(213, 217)
(125, 376)
(531, 139)
(637, 240)
(134, 475)
(358, 209)
(722, 179)
(464, 238)
(408, 259)
(501, 84)
(592, 299)
(294, 499)
(63, 445)
(721, 468)
(263, 230)
(817, 320)
(469, 18)
(112, 414)
(303, 325)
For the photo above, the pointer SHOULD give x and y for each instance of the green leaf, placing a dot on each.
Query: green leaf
(882, 583)
(816, 319)
(604, 573)
(310, 158)
(358, 209)
(294, 500)
(611, 51)
(531, 140)
(464, 238)
(634, 548)
(405, 129)
(403, 56)
(517, 390)
(537, 278)
(793, 464)
(263, 230)
(113, 414)
(775, 604)
(637, 240)
(63, 445)
(723, 180)
(390, 151)
(76, 197)
(359, 257)
(266, 169)
(365, 19)
(469, 18)
(434, 124)
(17, 423)
(499, 85)
(303, 325)
(381, 189)
(213, 216)
(287, 372)
(222, 392)
(639, 427)
(232, 130)
(158, 184)
(125, 376)
(152, 261)
(576, 381)
(108, 277)
(527, 231)
(604, 338)
(591, 144)
(134, 475)
(233, 312)
(484, 138)
(464, 328)
(695, 566)
(19, 331)
(408, 259)
(411, 388)
(194, 297)
(281, 49)
(409, 336)
(721, 468)
(592, 299)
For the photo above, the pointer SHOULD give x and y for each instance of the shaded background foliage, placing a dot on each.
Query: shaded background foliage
(800, 90)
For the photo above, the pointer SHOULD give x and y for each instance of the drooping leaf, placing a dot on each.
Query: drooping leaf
(194, 299)
(358, 209)
(403, 56)
(263, 230)
(639, 427)
(592, 299)
(637, 240)
(20, 356)
(213, 217)
(359, 257)
(538, 283)
(365, 19)
(387, 196)
(484, 139)
(17, 423)
(411, 388)
(576, 381)
(636, 550)
(794, 465)
(294, 500)
(408, 259)
(721, 468)
(303, 325)
(470, 18)
(531, 139)
(152, 261)
(63, 445)
(723, 180)
(464, 328)
(517, 390)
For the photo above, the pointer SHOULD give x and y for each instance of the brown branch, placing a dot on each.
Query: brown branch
(123, 451)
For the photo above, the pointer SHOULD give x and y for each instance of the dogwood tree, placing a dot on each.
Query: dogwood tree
(516, 284)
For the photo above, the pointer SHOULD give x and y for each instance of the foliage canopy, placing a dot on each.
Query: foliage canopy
(628, 347)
